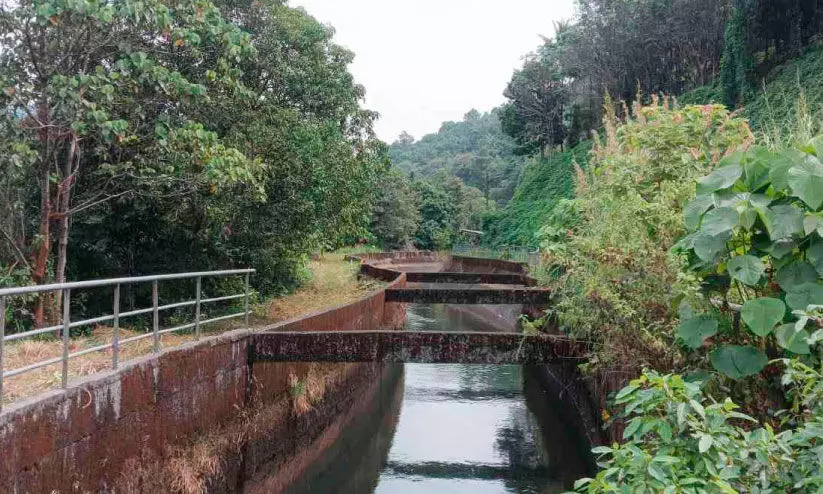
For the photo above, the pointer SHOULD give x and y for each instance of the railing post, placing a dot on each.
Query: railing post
(2, 345)
(247, 299)
(115, 342)
(197, 308)
(155, 316)
(66, 331)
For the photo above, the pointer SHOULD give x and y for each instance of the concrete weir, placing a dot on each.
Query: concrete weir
(436, 294)
(415, 347)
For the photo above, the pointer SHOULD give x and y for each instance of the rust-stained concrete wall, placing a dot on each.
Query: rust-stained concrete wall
(460, 264)
(80, 440)
(368, 313)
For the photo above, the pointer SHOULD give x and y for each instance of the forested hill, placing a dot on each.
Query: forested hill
(474, 149)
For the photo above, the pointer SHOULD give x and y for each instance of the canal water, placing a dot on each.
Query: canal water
(455, 428)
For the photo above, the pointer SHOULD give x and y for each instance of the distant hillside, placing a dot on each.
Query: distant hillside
(475, 149)
(544, 183)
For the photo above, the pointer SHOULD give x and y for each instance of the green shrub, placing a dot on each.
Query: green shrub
(544, 184)
(617, 286)
(679, 440)
(756, 240)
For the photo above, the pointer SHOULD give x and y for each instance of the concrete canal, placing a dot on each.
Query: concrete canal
(454, 428)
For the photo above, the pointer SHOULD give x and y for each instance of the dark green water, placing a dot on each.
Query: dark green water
(452, 429)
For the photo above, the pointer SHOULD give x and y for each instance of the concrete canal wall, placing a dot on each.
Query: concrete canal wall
(89, 437)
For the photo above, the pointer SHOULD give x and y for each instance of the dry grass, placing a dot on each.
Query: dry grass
(309, 390)
(334, 282)
(28, 352)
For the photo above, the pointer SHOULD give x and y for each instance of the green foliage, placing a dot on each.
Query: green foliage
(759, 214)
(145, 137)
(733, 64)
(395, 216)
(446, 205)
(619, 284)
(476, 150)
(538, 94)
(784, 105)
(679, 440)
(545, 183)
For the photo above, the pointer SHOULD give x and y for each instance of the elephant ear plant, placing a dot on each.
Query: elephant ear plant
(756, 240)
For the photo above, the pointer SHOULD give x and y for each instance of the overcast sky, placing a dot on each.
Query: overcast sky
(428, 61)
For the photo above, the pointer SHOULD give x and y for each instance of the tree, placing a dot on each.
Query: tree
(538, 94)
(98, 99)
(733, 64)
(395, 216)
(170, 139)
(474, 149)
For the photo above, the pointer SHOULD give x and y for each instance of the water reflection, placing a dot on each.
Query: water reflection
(453, 429)
(466, 428)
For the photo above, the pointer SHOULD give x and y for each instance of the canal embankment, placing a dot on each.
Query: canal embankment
(207, 417)
(94, 435)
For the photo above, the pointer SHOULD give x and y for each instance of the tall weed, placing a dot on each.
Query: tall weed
(620, 282)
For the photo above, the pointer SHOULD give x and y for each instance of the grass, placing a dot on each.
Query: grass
(333, 282)
(785, 107)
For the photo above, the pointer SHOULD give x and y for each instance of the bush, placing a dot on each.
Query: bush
(756, 241)
(617, 286)
(680, 440)
(545, 183)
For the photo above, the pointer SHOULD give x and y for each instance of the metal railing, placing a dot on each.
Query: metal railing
(517, 253)
(65, 289)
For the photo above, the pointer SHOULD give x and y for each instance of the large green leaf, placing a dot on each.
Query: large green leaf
(730, 198)
(780, 166)
(792, 339)
(720, 220)
(708, 247)
(759, 200)
(815, 255)
(811, 222)
(795, 274)
(806, 182)
(746, 269)
(738, 361)
(694, 331)
(761, 315)
(805, 295)
(748, 217)
(756, 168)
(695, 209)
(780, 248)
(722, 178)
(782, 221)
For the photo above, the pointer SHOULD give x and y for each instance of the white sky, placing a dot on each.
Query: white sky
(424, 62)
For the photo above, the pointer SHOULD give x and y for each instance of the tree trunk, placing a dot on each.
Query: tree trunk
(63, 207)
(44, 237)
(63, 211)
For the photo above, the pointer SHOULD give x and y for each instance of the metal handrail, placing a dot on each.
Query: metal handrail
(66, 324)
(117, 281)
